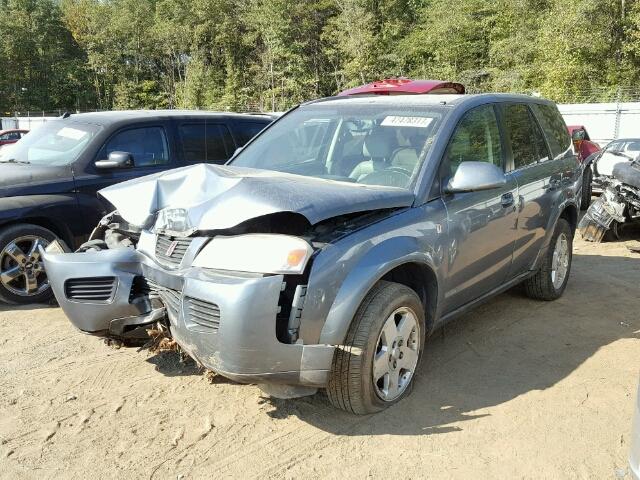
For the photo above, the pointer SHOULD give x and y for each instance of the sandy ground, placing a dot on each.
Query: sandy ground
(516, 389)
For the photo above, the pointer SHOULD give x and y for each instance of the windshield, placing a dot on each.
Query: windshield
(57, 142)
(368, 144)
(630, 147)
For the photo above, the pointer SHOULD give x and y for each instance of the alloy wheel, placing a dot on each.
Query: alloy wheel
(560, 261)
(21, 268)
(396, 357)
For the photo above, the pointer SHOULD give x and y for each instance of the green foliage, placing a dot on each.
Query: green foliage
(273, 54)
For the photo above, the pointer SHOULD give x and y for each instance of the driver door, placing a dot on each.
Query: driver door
(481, 225)
(151, 151)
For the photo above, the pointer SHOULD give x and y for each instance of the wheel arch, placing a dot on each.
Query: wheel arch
(400, 260)
(570, 214)
(60, 230)
(422, 279)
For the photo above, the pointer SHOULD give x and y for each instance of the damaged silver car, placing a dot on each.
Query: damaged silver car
(327, 250)
(618, 205)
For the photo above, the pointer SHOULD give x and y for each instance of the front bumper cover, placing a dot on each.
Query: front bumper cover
(243, 346)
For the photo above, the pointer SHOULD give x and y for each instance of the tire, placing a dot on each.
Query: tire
(543, 285)
(587, 188)
(351, 385)
(23, 236)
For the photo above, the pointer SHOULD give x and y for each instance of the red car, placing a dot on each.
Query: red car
(405, 86)
(585, 149)
(11, 136)
(584, 146)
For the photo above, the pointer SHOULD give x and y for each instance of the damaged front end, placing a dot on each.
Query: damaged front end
(230, 288)
(619, 204)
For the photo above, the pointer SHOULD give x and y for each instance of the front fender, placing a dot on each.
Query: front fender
(378, 261)
(553, 219)
(58, 209)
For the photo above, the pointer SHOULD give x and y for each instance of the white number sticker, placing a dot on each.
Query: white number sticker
(398, 121)
(72, 133)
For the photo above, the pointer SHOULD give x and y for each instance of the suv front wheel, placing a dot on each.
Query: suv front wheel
(587, 188)
(376, 366)
(22, 276)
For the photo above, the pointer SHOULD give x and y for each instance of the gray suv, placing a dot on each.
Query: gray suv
(327, 250)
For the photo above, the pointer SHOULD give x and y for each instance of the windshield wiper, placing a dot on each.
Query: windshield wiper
(13, 160)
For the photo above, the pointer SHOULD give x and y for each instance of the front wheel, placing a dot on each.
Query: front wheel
(376, 366)
(22, 276)
(551, 279)
(587, 188)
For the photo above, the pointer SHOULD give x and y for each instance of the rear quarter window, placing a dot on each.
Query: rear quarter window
(205, 143)
(554, 128)
(245, 131)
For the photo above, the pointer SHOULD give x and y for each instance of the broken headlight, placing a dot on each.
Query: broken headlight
(258, 253)
(174, 221)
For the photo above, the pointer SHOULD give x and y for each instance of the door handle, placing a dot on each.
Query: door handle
(507, 200)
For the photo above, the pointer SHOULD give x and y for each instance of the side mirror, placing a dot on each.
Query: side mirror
(476, 176)
(237, 151)
(116, 160)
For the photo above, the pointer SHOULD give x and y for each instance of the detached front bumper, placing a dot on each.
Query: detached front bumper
(224, 320)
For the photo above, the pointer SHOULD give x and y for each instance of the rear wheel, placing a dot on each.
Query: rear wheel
(587, 188)
(551, 280)
(22, 276)
(376, 366)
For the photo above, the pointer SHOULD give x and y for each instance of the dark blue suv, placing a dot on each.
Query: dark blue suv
(49, 180)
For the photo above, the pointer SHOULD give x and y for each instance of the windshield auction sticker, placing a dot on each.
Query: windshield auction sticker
(399, 121)
(72, 133)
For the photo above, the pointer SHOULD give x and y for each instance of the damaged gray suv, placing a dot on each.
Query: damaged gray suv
(325, 252)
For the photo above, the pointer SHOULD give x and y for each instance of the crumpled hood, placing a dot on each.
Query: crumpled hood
(219, 197)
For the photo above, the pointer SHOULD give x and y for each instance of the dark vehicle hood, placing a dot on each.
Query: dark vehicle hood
(219, 197)
(18, 179)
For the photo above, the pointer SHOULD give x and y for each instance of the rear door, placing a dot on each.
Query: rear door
(538, 175)
(204, 142)
(481, 225)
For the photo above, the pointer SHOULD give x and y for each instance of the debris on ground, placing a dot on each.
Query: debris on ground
(160, 341)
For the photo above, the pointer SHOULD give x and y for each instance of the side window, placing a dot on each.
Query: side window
(147, 145)
(555, 128)
(10, 136)
(476, 139)
(527, 142)
(247, 130)
(614, 147)
(209, 143)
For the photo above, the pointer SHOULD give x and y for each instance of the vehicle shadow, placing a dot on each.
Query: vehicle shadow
(503, 349)
(4, 307)
(174, 364)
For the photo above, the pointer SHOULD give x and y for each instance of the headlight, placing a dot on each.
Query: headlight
(174, 221)
(259, 253)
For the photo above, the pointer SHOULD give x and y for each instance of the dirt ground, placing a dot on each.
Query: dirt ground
(516, 389)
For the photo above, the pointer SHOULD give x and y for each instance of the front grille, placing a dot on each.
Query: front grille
(171, 254)
(202, 316)
(169, 297)
(90, 289)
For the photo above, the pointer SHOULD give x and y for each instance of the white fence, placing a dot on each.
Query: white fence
(604, 121)
(27, 123)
